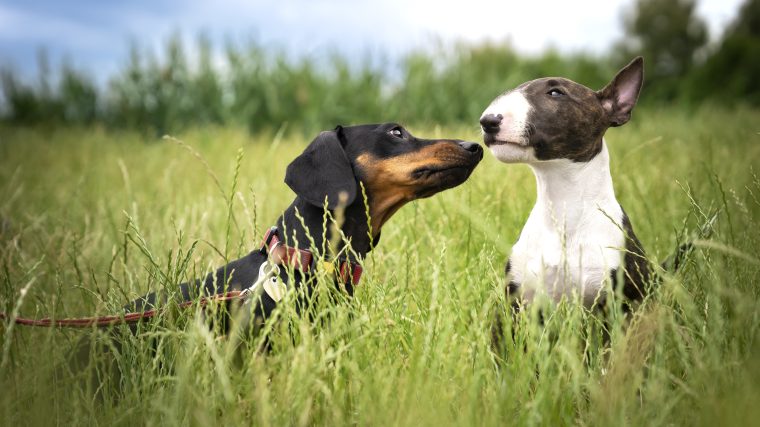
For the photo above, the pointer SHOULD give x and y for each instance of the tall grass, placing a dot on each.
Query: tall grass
(93, 218)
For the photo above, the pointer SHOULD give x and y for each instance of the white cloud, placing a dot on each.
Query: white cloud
(391, 26)
(20, 25)
(718, 13)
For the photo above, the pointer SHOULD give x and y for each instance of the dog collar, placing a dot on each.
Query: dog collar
(303, 260)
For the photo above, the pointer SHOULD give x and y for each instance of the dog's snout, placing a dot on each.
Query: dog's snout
(490, 122)
(471, 147)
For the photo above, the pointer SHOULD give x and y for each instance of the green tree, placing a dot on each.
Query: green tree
(78, 96)
(730, 72)
(667, 34)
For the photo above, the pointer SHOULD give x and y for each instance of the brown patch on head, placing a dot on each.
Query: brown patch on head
(394, 181)
(564, 119)
(570, 125)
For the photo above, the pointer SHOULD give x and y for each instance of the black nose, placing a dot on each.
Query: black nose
(490, 122)
(471, 146)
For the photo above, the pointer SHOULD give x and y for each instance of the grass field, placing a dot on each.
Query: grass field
(92, 219)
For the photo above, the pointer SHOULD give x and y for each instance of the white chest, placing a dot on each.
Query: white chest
(573, 238)
(559, 262)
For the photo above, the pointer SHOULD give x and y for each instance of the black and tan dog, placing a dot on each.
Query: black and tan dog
(392, 165)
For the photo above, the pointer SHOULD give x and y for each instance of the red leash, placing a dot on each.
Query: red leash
(301, 259)
(103, 321)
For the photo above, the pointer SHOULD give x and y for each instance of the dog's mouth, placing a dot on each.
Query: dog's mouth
(497, 142)
(454, 166)
(429, 172)
(491, 141)
(434, 179)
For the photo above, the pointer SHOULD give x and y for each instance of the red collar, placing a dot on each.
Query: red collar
(303, 260)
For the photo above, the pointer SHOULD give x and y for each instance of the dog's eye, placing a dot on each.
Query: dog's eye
(396, 132)
(555, 93)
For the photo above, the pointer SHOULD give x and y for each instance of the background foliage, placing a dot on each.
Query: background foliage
(258, 87)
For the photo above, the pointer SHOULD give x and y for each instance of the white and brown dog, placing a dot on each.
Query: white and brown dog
(577, 236)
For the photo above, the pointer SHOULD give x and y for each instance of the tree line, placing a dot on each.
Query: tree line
(248, 84)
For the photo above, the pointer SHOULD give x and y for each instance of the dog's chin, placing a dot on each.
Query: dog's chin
(510, 152)
(436, 181)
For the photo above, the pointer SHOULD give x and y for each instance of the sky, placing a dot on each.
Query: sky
(94, 35)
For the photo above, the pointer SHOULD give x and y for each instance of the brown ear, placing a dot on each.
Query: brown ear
(619, 97)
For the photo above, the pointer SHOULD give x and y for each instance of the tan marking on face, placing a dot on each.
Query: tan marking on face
(390, 183)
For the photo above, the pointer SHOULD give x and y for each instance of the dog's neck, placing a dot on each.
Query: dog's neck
(569, 193)
(302, 223)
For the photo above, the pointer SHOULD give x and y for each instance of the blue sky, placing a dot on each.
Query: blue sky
(95, 35)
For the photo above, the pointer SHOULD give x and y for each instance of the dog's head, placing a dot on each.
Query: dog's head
(394, 166)
(556, 118)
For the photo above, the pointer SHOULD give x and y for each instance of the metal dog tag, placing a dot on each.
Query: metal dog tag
(267, 271)
(275, 288)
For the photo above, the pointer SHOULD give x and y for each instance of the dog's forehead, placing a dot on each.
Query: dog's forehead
(367, 134)
(545, 84)
(372, 127)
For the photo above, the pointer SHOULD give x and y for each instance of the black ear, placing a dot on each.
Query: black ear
(620, 95)
(323, 171)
